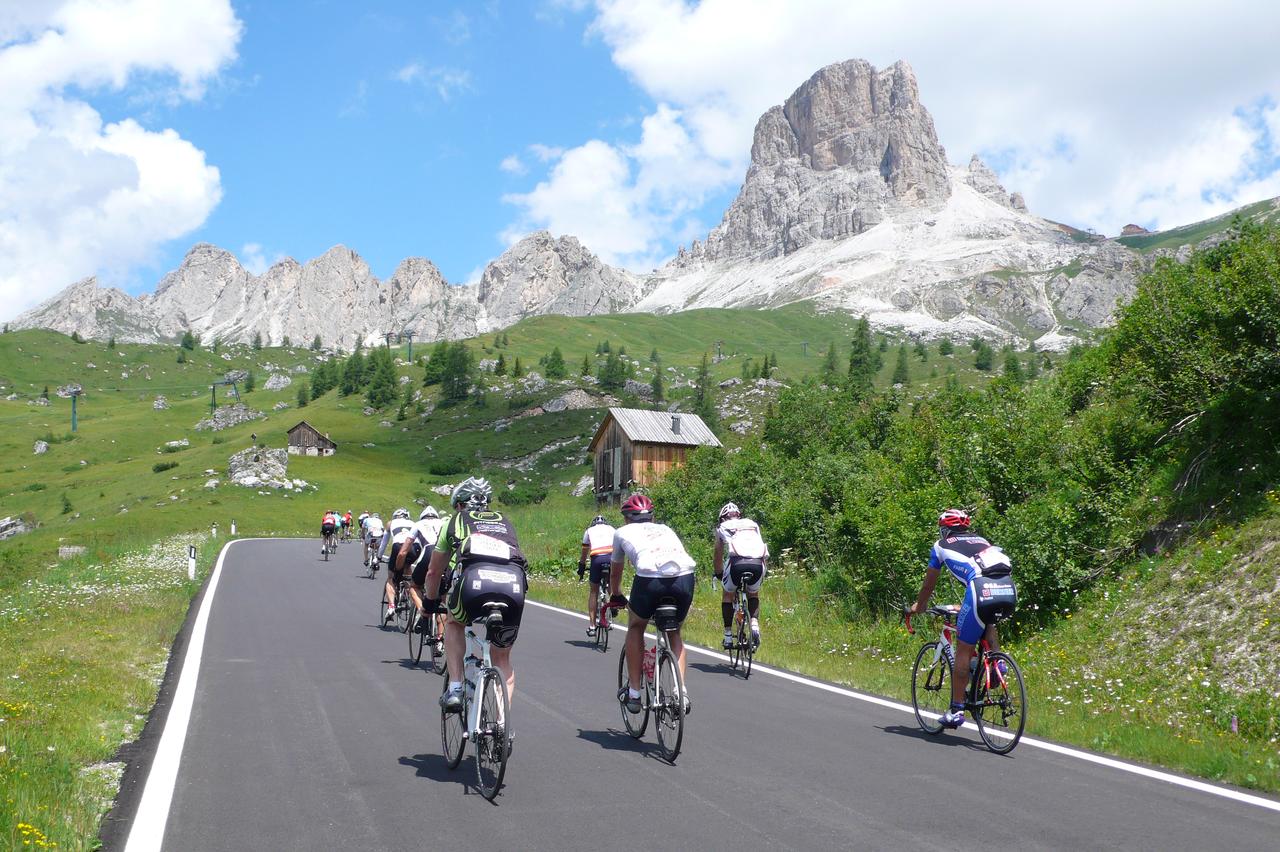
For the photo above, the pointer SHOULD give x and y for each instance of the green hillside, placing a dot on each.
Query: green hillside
(1187, 235)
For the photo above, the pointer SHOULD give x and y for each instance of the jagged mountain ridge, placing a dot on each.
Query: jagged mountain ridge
(849, 202)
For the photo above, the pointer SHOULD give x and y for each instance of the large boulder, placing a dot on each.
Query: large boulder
(259, 468)
(228, 416)
(277, 381)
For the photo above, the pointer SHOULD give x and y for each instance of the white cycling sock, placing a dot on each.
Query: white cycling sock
(455, 686)
(633, 693)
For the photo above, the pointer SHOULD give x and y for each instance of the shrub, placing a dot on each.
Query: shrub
(524, 494)
(447, 465)
(161, 467)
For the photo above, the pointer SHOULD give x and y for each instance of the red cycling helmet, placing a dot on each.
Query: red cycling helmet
(955, 519)
(635, 506)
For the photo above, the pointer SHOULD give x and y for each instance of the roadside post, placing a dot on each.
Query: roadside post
(213, 529)
(233, 527)
(191, 561)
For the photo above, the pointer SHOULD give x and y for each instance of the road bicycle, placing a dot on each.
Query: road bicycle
(743, 650)
(604, 615)
(995, 694)
(429, 637)
(403, 606)
(328, 546)
(485, 719)
(661, 687)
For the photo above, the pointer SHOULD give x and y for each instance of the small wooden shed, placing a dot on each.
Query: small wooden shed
(306, 440)
(637, 447)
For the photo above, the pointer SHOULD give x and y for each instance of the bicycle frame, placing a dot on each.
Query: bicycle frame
(476, 662)
(946, 647)
(602, 601)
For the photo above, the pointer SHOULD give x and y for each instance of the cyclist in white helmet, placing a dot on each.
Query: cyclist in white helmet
(741, 558)
(397, 533)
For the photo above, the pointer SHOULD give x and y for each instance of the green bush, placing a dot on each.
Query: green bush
(161, 467)
(523, 494)
(447, 466)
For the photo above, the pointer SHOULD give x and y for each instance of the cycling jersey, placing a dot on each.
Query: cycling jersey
(599, 539)
(373, 528)
(742, 540)
(654, 549)
(399, 529)
(481, 537)
(488, 568)
(983, 569)
(329, 519)
(427, 531)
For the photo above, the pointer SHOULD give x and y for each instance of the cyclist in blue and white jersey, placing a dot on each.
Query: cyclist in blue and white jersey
(373, 531)
(396, 534)
(984, 571)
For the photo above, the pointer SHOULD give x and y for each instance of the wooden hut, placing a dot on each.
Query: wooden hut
(306, 440)
(636, 447)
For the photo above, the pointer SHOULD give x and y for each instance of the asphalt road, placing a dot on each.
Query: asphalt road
(312, 731)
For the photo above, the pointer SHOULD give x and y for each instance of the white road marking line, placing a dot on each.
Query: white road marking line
(147, 832)
(1112, 763)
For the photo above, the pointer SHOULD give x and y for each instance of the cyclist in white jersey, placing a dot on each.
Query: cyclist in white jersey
(373, 531)
(741, 556)
(417, 554)
(396, 534)
(664, 570)
(597, 547)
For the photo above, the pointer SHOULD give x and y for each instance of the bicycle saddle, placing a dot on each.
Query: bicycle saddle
(667, 615)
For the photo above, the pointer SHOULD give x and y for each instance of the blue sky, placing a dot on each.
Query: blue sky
(319, 140)
(131, 129)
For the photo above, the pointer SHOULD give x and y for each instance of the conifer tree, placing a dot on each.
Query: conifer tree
(500, 368)
(257, 340)
(302, 395)
(455, 383)
(656, 386)
(704, 403)
(586, 365)
(945, 347)
(555, 365)
(862, 370)
(316, 344)
(901, 372)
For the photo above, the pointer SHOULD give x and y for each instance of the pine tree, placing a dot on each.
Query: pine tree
(901, 372)
(586, 365)
(921, 352)
(500, 368)
(111, 341)
(302, 395)
(747, 370)
(497, 341)
(286, 343)
(517, 372)
(613, 374)
(653, 356)
(656, 386)
(862, 370)
(604, 348)
(984, 357)
(257, 340)
(773, 360)
(1012, 366)
(44, 394)
(455, 383)
(352, 374)
(182, 355)
(250, 382)
(945, 347)
(1033, 366)
(704, 403)
(555, 366)
(622, 351)
(316, 344)
(830, 366)
(434, 370)
(382, 388)
(188, 341)
(506, 341)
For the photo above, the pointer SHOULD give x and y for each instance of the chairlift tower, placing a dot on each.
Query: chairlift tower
(407, 334)
(75, 394)
(213, 392)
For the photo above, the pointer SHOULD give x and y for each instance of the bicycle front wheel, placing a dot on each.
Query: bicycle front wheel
(453, 728)
(930, 687)
(416, 639)
(403, 605)
(668, 706)
(746, 651)
(493, 745)
(635, 723)
(1001, 708)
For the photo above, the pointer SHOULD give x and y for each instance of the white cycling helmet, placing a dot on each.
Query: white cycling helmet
(400, 513)
(474, 491)
(376, 515)
(729, 510)
(428, 512)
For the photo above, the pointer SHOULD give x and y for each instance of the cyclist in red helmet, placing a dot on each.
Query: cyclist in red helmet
(664, 570)
(984, 571)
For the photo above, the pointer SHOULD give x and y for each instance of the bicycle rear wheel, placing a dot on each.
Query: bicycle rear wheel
(668, 706)
(602, 623)
(453, 728)
(1000, 709)
(746, 652)
(403, 605)
(434, 644)
(735, 650)
(324, 548)
(492, 743)
(637, 723)
(930, 687)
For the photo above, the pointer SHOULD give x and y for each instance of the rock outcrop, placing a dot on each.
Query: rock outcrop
(258, 467)
(226, 416)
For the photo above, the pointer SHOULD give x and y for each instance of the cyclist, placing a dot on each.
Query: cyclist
(418, 554)
(984, 571)
(328, 524)
(740, 550)
(346, 526)
(482, 552)
(373, 531)
(396, 534)
(597, 546)
(664, 569)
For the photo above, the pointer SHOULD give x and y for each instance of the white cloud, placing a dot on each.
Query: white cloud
(513, 165)
(545, 153)
(79, 196)
(256, 260)
(1101, 114)
(444, 81)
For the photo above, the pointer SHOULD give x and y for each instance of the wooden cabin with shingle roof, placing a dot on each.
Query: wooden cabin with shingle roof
(306, 440)
(633, 447)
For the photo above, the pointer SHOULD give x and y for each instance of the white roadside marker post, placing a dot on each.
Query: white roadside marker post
(233, 527)
(213, 529)
(191, 561)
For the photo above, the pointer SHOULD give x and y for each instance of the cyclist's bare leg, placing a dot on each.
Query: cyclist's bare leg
(391, 589)
(415, 595)
(960, 672)
(992, 636)
(592, 594)
(677, 648)
(455, 645)
(635, 648)
(502, 659)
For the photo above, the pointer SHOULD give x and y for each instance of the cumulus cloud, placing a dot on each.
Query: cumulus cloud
(444, 81)
(513, 165)
(256, 260)
(80, 196)
(1101, 114)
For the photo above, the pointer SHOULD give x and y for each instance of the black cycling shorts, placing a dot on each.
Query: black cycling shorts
(483, 583)
(600, 564)
(744, 572)
(420, 573)
(395, 576)
(647, 593)
(326, 529)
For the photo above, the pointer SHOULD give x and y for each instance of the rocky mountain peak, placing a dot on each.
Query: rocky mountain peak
(984, 180)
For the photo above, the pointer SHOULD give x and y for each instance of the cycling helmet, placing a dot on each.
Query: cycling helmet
(729, 510)
(637, 507)
(954, 519)
(474, 491)
(428, 512)
(376, 515)
(400, 513)
(598, 519)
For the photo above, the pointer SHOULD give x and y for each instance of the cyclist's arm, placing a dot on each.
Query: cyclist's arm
(931, 575)
(435, 570)
(717, 559)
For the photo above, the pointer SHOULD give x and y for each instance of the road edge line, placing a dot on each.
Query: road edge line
(149, 820)
(1110, 762)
